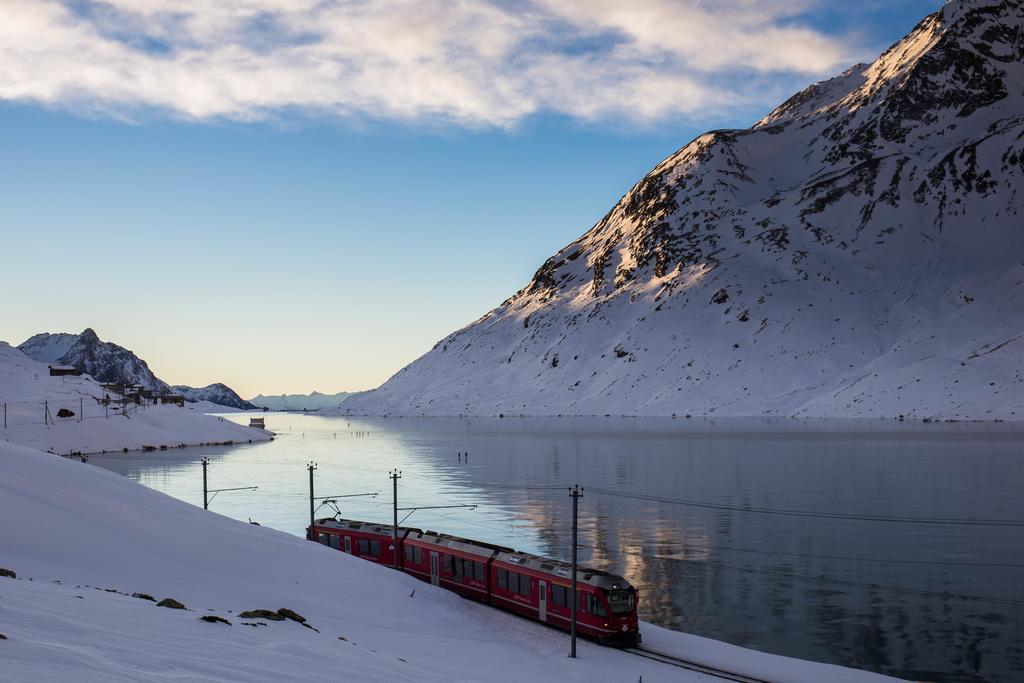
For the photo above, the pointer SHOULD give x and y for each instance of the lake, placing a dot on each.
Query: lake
(877, 545)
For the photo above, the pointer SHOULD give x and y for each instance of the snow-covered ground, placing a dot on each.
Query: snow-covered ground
(82, 540)
(33, 400)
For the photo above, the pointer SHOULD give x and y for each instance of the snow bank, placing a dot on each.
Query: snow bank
(73, 531)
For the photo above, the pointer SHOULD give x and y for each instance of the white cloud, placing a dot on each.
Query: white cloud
(471, 62)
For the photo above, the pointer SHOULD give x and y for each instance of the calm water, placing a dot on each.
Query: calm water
(931, 601)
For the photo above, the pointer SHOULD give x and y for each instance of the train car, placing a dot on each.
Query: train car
(459, 564)
(536, 587)
(363, 539)
(541, 588)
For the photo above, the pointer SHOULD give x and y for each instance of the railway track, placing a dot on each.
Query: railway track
(692, 666)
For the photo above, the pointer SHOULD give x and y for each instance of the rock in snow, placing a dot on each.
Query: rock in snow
(858, 252)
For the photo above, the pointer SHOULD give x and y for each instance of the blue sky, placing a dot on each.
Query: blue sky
(322, 218)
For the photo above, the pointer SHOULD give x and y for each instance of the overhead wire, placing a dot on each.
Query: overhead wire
(808, 513)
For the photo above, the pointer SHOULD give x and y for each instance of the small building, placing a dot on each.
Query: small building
(257, 422)
(63, 370)
(173, 399)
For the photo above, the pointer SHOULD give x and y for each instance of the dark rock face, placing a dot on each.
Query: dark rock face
(261, 614)
(144, 596)
(8, 573)
(824, 242)
(290, 614)
(214, 619)
(170, 603)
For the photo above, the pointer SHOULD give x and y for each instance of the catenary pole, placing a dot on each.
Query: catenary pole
(575, 493)
(395, 476)
(206, 502)
(311, 467)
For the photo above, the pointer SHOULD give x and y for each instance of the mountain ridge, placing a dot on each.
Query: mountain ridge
(853, 253)
(312, 401)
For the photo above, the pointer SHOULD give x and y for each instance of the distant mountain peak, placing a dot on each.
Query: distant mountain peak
(218, 393)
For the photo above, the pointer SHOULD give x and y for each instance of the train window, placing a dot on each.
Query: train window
(478, 571)
(524, 585)
(375, 548)
(594, 606)
(559, 596)
(413, 554)
(502, 578)
(364, 546)
(448, 564)
(457, 567)
(621, 601)
(323, 538)
(334, 541)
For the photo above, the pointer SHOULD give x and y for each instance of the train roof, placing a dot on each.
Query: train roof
(546, 565)
(593, 577)
(466, 545)
(364, 527)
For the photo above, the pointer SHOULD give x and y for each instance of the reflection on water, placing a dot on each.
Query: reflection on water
(931, 601)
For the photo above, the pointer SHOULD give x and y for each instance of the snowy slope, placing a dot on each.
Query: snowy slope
(83, 531)
(313, 401)
(32, 401)
(217, 393)
(48, 348)
(859, 252)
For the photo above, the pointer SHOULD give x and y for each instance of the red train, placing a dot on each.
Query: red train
(536, 587)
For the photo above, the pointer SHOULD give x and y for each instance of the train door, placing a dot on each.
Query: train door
(433, 568)
(542, 588)
(348, 545)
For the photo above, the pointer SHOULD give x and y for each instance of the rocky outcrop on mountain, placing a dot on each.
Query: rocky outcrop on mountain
(218, 393)
(857, 252)
(105, 361)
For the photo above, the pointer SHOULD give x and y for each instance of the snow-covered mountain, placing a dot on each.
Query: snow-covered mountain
(105, 361)
(218, 393)
(109, 363)
(857, 252)
(48, 348)
(313, 401)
